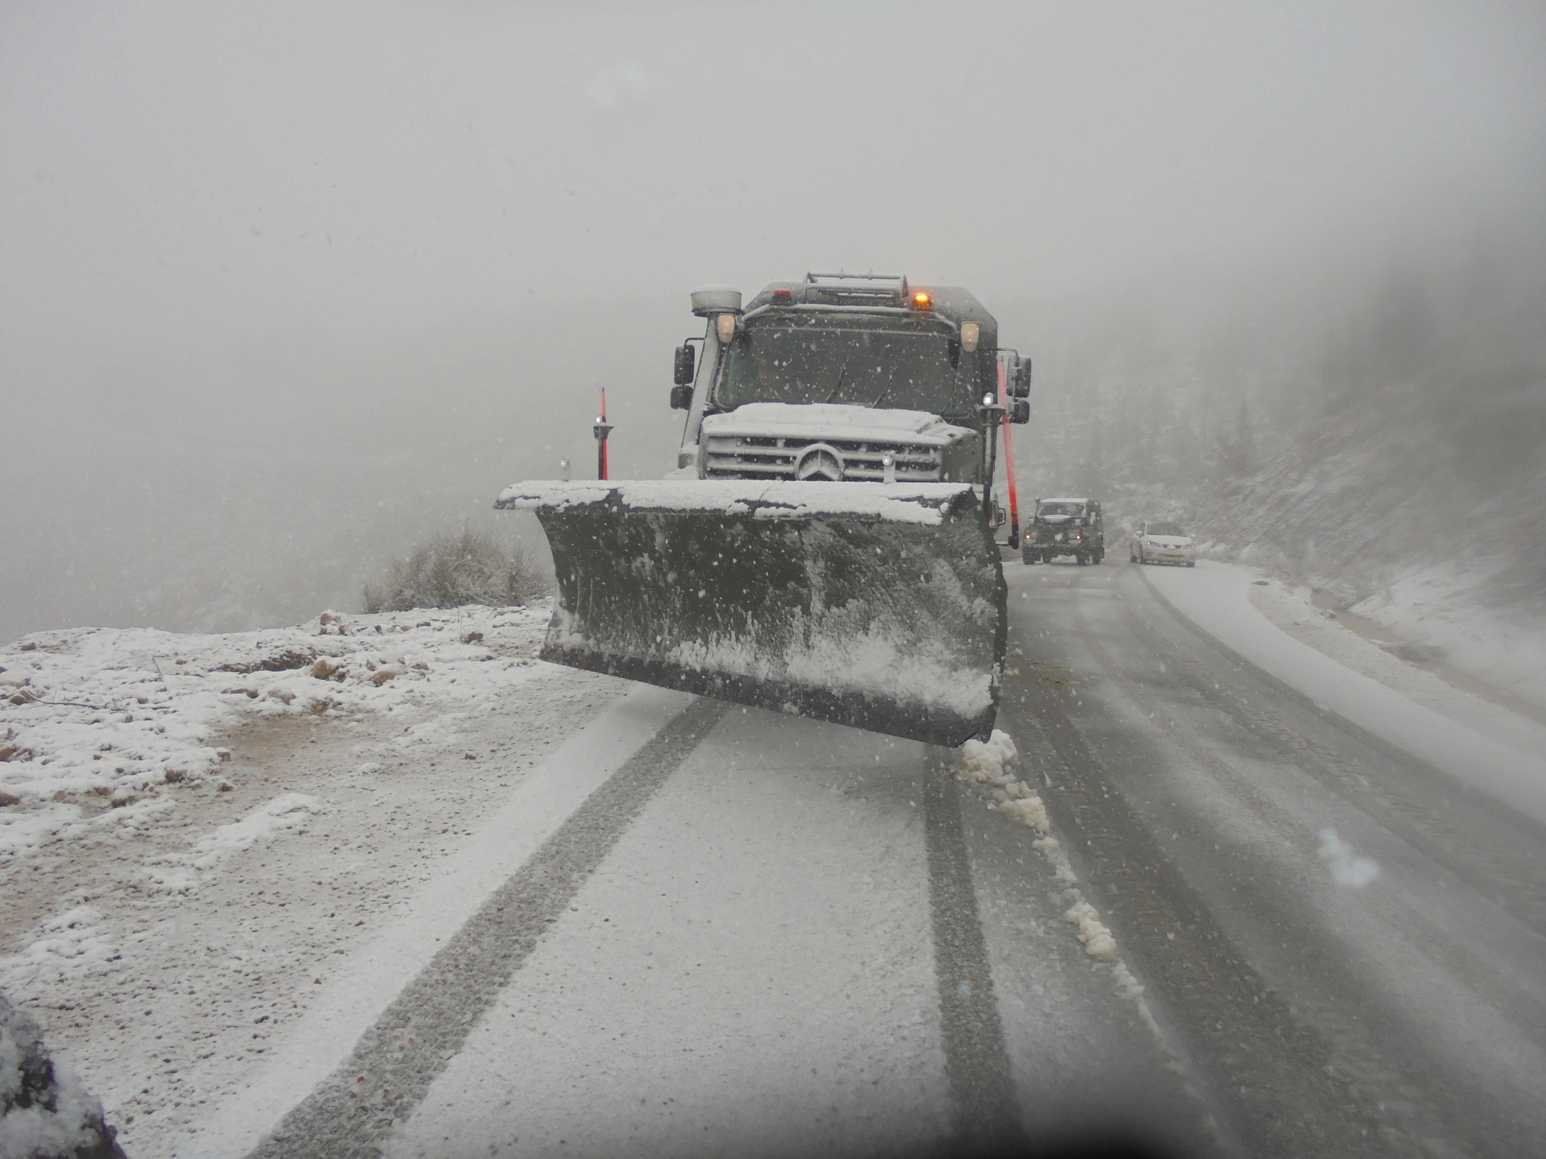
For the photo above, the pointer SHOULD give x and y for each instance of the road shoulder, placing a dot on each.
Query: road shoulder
(1468, 740)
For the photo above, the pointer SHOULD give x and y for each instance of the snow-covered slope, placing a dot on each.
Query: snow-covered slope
(1427, 518)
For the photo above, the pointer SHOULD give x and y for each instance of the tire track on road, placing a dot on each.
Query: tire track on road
(976, 1059)
(391, 1069)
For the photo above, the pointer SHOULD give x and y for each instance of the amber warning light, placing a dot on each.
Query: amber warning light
(923, 300)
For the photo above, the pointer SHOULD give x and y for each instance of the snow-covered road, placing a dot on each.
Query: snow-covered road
(1345, 937)
(515, 910)
(765, 936)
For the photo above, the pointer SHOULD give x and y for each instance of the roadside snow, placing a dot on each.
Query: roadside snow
(69, 944)
(179, 872)
(1435, 606)
(1366, 647)
(1218, 598)
(93, 718)
(214, 938)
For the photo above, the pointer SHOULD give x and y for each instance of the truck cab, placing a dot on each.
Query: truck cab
(843, 378)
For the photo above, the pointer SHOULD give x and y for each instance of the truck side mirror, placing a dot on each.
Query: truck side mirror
(1020, 410)
(1021, 384)
(685, 364)
(681, 398)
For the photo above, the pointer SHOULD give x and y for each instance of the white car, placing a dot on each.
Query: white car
(1159, 541)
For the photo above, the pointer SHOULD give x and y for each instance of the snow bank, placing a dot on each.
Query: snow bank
(97, 718)
(987, 762)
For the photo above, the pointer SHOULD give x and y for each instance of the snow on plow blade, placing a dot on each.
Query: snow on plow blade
(875, 605)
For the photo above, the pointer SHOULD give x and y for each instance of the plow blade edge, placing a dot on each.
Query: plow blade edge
(880, 606)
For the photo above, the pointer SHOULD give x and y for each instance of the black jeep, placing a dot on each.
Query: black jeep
(1064, 527)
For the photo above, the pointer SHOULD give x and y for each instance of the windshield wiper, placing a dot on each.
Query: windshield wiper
(842, 370)
(885, 390)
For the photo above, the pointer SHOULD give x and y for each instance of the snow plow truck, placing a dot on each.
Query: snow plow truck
(824, 547)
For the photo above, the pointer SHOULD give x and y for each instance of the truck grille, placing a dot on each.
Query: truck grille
(775, 457)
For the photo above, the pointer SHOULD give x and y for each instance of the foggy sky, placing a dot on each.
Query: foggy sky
(286, 285)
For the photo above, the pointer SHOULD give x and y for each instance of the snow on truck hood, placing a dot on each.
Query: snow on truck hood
(817, 421)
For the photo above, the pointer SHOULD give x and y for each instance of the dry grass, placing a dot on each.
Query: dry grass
(453, 570)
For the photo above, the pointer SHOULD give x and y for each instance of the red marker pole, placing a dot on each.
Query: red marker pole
(1009, 455)
(601, 429)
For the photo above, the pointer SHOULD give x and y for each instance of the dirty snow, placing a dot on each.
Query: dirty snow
(186, 931)
(99, 717)
(69, 944)
(179, 872)
(877, 661)
(1097, 939)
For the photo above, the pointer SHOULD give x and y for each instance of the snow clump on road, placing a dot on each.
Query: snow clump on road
(1097, 939)
(1347, 867)
(991, 764)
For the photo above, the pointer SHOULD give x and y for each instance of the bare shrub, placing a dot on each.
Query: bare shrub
(466, 567)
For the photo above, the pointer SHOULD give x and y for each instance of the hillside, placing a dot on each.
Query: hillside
(1427, 518)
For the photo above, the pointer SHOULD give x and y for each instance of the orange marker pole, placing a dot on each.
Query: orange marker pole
(1009, 456)
(601, 430)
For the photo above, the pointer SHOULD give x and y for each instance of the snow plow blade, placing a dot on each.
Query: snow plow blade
(880, 606)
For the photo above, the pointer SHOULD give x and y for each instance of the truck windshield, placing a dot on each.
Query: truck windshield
(884, 361)
(1059, 509)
